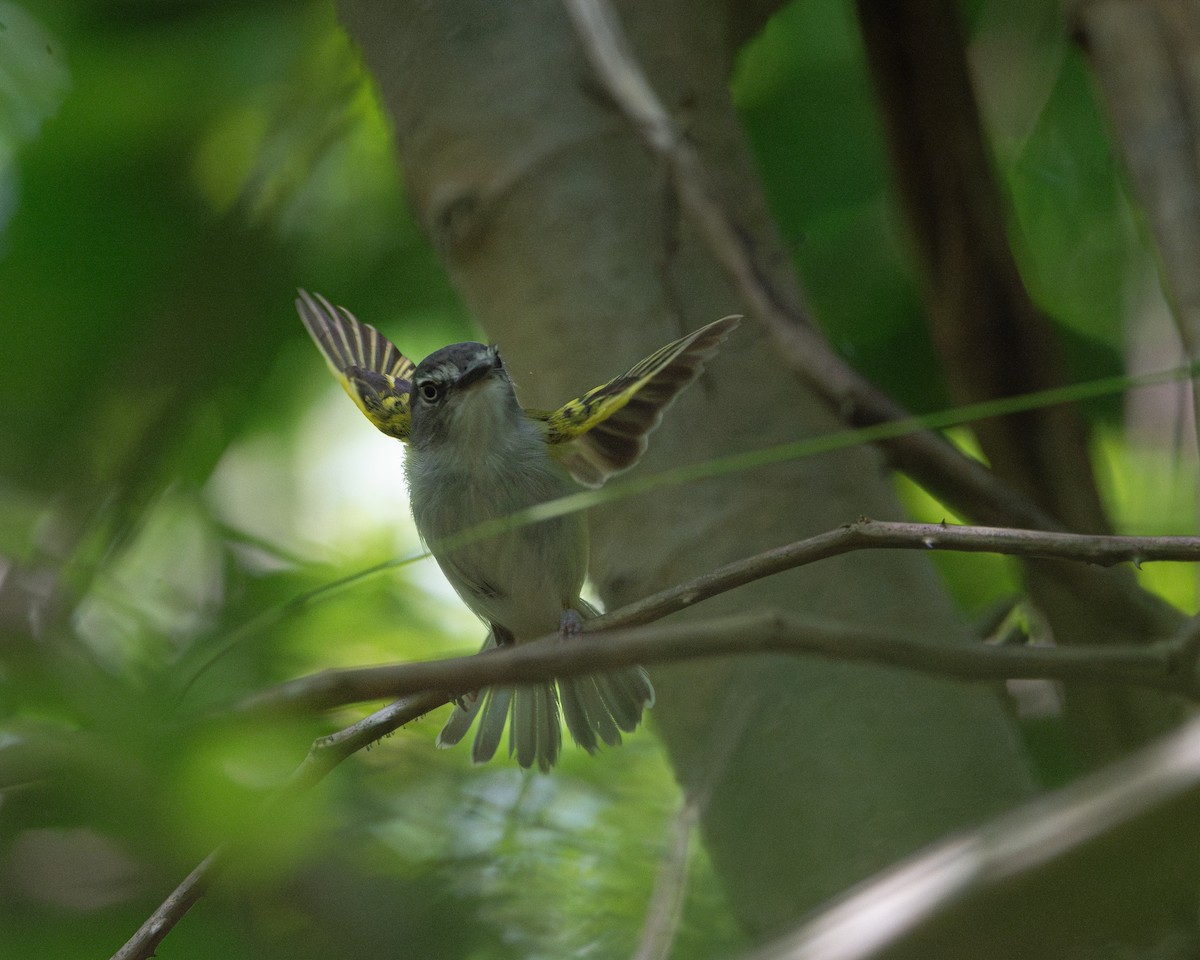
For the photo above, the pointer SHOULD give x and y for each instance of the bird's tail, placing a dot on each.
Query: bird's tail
(602, 705)
(534, 736)
(599, 706)
(597, 709)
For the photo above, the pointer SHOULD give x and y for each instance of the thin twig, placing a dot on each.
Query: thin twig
(324, 754)
(665, 910)
(1160, 666)
(866, 534)
(1120, 844)
(1166, 666)
(1153, 666)
(150, 934)
(336, 687)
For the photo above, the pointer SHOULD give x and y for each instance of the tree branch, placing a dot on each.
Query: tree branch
(1075, 600)
(1154, 666)
(664, 913)
(959, 480)
(977, 302)
(979, 307)
(162, 921)
(622, 644)
(1144, 55)
(1168, 666)
(1103, 867)
(324, 754)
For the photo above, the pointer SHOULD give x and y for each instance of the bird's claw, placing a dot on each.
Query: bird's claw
(571, 624)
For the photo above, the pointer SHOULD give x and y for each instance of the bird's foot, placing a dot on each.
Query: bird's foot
(571, 624)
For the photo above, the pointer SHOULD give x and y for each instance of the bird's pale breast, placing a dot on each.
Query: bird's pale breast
(522, 578)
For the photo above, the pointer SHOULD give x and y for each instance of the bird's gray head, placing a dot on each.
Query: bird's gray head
(462, 395)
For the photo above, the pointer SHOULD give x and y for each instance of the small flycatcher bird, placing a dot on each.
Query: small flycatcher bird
(475, 454)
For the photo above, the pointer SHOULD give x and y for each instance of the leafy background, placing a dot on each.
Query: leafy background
(181, 485)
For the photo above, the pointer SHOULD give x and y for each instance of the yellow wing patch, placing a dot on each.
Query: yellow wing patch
(604, 431)
(372, 371)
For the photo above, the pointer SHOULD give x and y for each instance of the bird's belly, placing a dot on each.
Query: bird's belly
(522, 578)
(522, 581)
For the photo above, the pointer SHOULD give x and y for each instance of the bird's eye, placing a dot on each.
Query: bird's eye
(430, 392)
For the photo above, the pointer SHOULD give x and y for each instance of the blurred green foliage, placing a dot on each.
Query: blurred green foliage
(176, 473)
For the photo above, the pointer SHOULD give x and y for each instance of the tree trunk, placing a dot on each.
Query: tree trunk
(562, 237)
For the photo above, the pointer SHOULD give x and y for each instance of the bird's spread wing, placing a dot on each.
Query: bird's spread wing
(370, 368)
(605, 430)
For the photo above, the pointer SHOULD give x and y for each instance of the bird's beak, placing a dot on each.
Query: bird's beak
(482, 368)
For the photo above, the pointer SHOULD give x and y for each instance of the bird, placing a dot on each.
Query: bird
(475, 454)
